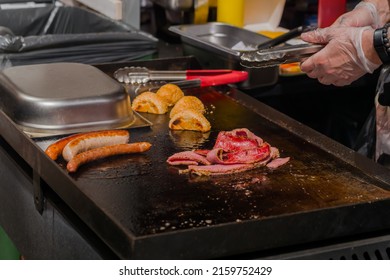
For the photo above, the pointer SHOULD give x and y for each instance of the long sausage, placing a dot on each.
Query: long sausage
(107, 151)
(55, 149)
(94, 140)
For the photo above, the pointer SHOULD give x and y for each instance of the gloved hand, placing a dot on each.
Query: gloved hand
(382, 115)
(382, 130)
(342, 60)
(364, 14)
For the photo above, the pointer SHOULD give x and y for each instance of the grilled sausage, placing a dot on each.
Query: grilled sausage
(107, 151)
(94, 140)
(55, 149)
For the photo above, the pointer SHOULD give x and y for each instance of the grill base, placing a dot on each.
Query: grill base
(376, 248)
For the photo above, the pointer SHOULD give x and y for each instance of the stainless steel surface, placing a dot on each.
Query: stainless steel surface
(140, 75)
(278, 55)
(219, 37)
(219, 45)
(63, 97)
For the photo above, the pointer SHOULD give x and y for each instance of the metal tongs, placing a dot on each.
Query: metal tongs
(269, 54)
(202, 78)
(279, 55)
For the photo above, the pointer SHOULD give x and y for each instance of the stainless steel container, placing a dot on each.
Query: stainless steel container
(219, 45)
(61, 98)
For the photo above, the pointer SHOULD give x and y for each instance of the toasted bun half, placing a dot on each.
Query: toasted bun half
(170, 93)
(185, 103)
(189, 120)
(149, 102)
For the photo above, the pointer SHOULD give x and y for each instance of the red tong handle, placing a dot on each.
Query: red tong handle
(207, 72)
(217, 77)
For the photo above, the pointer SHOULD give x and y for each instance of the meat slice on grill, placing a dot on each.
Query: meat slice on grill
(223, 169)
(234, 151)
(237, 140)
(239, 156)
(278, 162)
(218, 169)
(187, 158)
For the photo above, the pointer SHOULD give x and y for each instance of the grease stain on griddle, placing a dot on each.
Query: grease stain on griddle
(116, 167)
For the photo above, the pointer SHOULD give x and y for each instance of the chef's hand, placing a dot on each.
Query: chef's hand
(342, 60)
(364, 14)
(382, 129)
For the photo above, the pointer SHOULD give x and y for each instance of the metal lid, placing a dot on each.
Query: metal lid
(63, 97)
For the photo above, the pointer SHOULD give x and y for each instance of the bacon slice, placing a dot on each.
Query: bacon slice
(106, 151)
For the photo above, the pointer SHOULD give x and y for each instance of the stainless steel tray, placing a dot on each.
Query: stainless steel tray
(219, 37)
(225, 42)
(60, 98)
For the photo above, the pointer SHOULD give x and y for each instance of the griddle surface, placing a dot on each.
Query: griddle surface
(146, 197)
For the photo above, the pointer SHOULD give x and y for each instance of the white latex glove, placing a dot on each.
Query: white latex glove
(342, 60)
(364, 14)
(382, 130)
(382, 116)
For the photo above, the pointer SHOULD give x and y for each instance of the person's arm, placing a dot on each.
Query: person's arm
(368, 47)
(383, 9)
(348, 55)
(349, 52)
(374, 13)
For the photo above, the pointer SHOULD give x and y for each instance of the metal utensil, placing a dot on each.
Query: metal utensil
(213, 77)
(216, 40)
(153, 86)
(269, 54)
(278, 55)
(284, 37)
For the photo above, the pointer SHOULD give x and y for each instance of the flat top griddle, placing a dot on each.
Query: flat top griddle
(142, 208)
